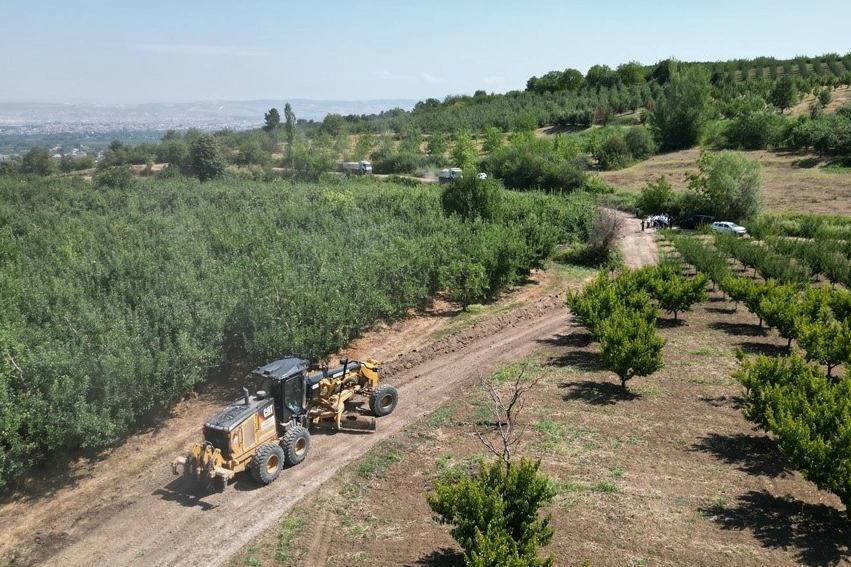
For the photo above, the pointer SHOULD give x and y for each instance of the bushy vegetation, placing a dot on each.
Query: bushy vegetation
(118, 298)
(495, 514)
(619, 314)
(810, 414)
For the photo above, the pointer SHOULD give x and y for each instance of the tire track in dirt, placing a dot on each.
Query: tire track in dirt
(152, 521)
(130, 510)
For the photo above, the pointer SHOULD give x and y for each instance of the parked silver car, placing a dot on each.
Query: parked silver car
(729, 228)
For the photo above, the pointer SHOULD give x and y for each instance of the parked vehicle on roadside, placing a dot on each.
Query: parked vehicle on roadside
(694, 222)
(726, 227)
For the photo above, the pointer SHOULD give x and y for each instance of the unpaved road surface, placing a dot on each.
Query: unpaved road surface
(124, 507)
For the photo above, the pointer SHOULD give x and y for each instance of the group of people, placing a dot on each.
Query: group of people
(656, 222)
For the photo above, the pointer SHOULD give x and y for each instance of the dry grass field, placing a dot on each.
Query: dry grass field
(791, 183)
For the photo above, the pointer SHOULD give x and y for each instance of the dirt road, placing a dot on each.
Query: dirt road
(126, 507)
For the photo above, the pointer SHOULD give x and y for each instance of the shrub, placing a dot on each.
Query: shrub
(495, 514)
(629, 345)
(613, 153)
(472, 198)
(118, 177)
(808, 412)
(640, 142)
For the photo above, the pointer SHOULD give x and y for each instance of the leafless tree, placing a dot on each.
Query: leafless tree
(503, 434)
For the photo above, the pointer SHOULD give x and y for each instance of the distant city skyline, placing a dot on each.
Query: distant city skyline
(99, 51)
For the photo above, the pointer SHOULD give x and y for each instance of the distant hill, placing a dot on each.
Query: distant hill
(40, 118)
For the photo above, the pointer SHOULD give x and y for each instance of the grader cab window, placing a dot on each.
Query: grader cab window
(294, 393)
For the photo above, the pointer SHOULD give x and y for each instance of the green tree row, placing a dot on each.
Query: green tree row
(809, 413)
(620, 315)
(115, 300)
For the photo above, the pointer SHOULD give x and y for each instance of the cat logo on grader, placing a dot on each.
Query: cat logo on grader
(270, 429)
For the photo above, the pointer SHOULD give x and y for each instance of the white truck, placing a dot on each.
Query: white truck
(449, 175)
(357, 167)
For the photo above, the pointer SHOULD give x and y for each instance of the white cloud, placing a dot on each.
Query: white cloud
(429, 78)
(388, 76)
(202, 50)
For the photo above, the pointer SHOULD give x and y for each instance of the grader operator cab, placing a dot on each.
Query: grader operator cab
(270, 429)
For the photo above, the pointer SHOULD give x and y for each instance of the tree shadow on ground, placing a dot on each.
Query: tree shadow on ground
(597, 393)
(578, 359)
(733, 402)
(722, 310)
(753, 454)
(670, 322)
(806, 163)
(443, 557)
(579, 339)
(817, 534)
(739, 329)
(767, 349)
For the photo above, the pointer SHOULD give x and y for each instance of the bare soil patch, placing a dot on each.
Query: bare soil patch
(667, 473)
(839, 96)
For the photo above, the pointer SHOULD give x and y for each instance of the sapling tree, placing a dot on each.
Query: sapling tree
(495, 513)
(779, 307)
(629, 345)
(809, 413)
(737, 289)
(825, 340)
(674, 291)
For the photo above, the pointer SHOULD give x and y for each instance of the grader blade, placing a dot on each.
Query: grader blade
(355, 422)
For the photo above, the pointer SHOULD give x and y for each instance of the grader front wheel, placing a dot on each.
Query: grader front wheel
(296, 444)
(267, 463)
(383, 400)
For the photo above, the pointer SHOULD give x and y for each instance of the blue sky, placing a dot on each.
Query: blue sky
(188, 50)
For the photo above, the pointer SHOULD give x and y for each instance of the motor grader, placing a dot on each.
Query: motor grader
(270, 429)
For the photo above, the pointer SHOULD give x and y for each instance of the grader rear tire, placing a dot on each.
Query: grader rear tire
(296, 444)
(383, 400)
(267, 463)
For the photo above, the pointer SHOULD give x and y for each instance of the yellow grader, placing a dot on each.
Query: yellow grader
(270, 429)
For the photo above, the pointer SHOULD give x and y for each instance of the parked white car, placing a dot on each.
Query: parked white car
(729, 228)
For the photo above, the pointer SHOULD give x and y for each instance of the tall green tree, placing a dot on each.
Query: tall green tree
(727, 185)
(657, 197)
(38, 161)
(289, 128)
(681, 115)
(631, 73)
(493, 139)
(206, 158)
(784, 93)
(463, 153)
(601, 76)
(437, 144)
(273, 120)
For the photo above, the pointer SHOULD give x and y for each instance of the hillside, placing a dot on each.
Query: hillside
(791, 182)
